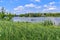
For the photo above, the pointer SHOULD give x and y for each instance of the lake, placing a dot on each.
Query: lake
(55, 20)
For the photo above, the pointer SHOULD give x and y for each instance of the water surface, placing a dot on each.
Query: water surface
(56, 20)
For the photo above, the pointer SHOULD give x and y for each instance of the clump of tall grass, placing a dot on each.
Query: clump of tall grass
(48, 23)
(27, 31)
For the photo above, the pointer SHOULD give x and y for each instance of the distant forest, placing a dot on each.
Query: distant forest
(40, 15)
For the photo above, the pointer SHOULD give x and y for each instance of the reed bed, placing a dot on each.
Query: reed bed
(28, 31)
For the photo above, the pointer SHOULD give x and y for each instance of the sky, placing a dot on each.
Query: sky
(30, 6)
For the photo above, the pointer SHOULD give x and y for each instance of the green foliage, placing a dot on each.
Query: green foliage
(2, 15)
(30, 15)
(27, 31)
(9, 16)
(40, 15)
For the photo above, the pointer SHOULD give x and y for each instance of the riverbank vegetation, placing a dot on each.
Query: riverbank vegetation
(40, 15)
(28, 31)
(8, 16)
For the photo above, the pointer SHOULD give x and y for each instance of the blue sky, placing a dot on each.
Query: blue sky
(27, 6)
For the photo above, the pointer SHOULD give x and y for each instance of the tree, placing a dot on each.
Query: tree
(2, 13)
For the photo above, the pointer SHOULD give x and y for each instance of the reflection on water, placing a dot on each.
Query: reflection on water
(37, 19)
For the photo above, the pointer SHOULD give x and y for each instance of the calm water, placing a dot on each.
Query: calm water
(37, 19)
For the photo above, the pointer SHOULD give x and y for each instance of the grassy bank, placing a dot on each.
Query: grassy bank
(28, 31)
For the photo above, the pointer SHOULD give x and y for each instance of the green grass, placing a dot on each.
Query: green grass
(28, 31)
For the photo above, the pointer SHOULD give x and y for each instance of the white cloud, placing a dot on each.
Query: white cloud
(52, 3)
(45, 5)
(27, 8)
(38, 7)
(52, 8)
(49, 7)
(30, 5)
(37, 0)
(19, 8)
(0, 9)
(11, 1)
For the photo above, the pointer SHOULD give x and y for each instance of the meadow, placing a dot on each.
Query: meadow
(28, 31)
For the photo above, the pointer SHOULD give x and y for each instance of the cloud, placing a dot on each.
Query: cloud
(27, 8)
(52, 8)
(11, 1)
(0, 9)
(38, 7)
(49, 7)
(37, 0)
(45, 6)
(30, 5)
(52, 3)
(19, 8)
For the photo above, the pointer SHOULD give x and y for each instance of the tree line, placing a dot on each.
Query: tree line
(40, 15)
